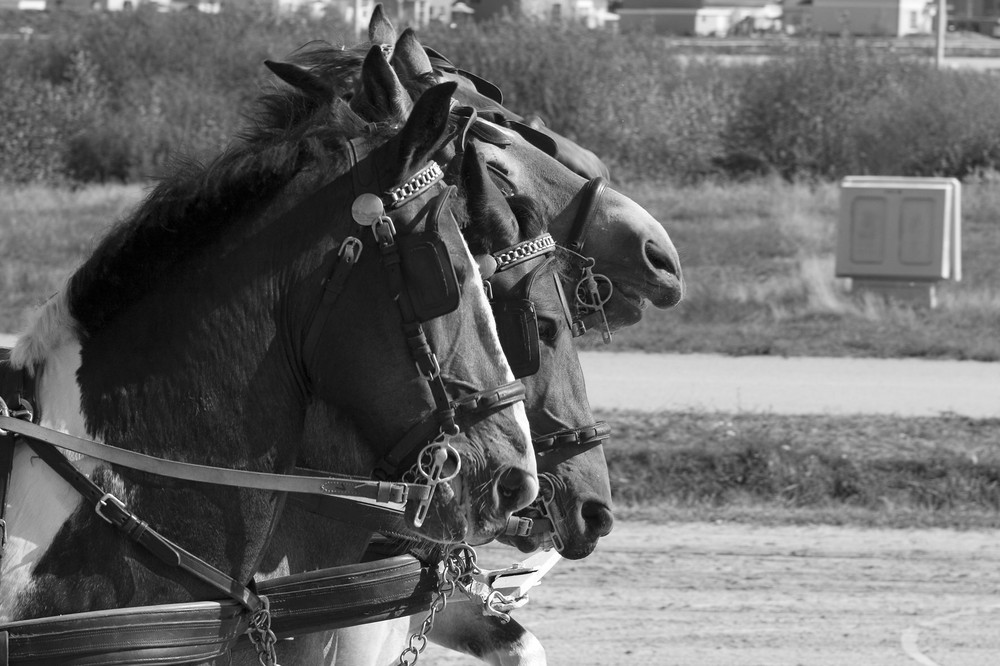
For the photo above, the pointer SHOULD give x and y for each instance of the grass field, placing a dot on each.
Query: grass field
(757, 260)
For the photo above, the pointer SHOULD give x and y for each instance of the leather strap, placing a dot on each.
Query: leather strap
(114, 512)
(582, 438)
(592, 193)
(348, 595)
(481, 403)
(185, 633)
(347, 257)
(380, 491)
(359, 514)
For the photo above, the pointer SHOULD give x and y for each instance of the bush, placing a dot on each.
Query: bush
(176, 83)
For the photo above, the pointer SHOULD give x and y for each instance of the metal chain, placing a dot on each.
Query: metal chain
(261, 636)
(457, 565)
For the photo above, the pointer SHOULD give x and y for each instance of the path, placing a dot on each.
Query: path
(697, 594)
(907, 387)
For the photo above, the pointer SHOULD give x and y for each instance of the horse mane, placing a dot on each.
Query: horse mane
(482, 236)
(196, 203)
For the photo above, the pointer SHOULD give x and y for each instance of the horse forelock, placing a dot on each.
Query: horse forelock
(197, 204)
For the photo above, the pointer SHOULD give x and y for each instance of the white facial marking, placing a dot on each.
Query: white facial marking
(520, 415)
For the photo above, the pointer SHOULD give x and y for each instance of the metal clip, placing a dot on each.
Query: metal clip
(518, 526)
(549, 508)
(350, 250)
(590, 298)
(385, 231)
(432, 466)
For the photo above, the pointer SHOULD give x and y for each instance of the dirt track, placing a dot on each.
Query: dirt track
(739, 595)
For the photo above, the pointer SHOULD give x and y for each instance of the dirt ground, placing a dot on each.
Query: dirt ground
(741, 595)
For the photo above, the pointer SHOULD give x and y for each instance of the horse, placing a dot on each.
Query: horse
(370, 97)
(491, 238)
(204, 327)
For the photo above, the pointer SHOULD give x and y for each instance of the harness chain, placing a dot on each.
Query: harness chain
(455, 567)
(260, 634)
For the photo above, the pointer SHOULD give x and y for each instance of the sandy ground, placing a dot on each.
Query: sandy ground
(740, 595)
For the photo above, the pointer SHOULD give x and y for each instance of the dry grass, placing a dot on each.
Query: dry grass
(757, 256)
(871, 470)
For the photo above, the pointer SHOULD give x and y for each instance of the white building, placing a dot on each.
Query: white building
(891, 18)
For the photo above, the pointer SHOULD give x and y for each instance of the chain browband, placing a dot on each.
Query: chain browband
(419, 183)
(529, 249)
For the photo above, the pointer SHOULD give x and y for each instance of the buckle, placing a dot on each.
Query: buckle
(350, 250)
(103, 502)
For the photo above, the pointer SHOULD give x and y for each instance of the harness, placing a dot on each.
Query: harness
(178, 633)
(517, 328)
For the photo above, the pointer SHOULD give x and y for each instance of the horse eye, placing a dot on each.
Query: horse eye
(548, 330)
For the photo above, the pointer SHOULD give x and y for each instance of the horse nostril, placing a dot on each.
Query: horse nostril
(516, 489)
(597, 517)
(661, 259)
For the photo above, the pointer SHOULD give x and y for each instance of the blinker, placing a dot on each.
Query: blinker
(517, 328)
(429, 275)
(367, 209)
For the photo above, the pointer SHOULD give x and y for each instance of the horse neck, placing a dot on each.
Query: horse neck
(184, 375)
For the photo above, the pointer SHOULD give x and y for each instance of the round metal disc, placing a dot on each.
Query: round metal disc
(487, 266)
(366, 209)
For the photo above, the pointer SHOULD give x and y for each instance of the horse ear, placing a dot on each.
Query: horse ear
(409, 58)
(380, 95)
(427, 128)
(484, 197)
(381, 32)
(299, 77)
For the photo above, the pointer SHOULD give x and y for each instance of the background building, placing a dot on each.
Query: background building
(700, 17)
(891, 18)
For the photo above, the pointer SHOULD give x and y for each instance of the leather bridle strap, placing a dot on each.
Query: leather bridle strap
(482, 404)
(581, 439)
(349, 487)
(113, 511)
(347, 257)
(593, 191)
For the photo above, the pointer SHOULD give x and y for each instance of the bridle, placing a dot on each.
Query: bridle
(517, 328)
(423, 284)
(593, 290)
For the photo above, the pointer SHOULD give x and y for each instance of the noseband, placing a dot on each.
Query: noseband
(593, 289)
